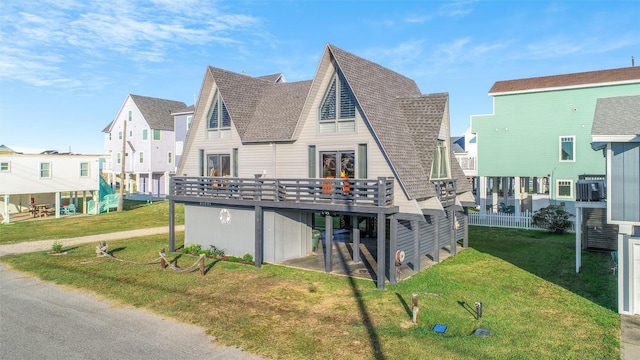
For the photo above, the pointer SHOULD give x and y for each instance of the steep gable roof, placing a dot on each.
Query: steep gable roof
(629, 74)
(157, 112)
(261, 110)
(618, 115)
(405, 123)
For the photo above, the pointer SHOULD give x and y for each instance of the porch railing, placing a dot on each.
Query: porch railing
(377, 192)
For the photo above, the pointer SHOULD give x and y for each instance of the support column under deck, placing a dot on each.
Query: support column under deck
(259, 236)
(381, 241)
(393, 247)
(355, 238)
(416, 245)
(172, 226)
(328, 242)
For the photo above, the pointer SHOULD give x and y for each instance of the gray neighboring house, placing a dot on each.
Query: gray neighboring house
(616, 131)
(146, 125)
(265, 159)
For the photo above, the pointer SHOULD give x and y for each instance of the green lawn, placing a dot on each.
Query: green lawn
(535, 305)
(136, 215)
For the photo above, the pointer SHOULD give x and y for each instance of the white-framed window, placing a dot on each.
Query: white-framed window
(84, 169)
(218, 119)
(440, 166)
(170, 157)
(337, 112)
(567, 148)
(141, 157)
(145, 134)
(118, 158)
(5, 166)
(130, 115)
(156, 134)
(109, 136)
(119, 135)
(130, 133)
(45, 170)
(189, 119)
(564, 188)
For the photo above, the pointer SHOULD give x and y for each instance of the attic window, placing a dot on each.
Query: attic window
(218, 116)
(440, 166)
(338, 108)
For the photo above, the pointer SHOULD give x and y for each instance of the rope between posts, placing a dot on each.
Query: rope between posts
(154, 261)
(191, 268)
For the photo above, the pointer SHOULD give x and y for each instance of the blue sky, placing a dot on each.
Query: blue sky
(66, 67)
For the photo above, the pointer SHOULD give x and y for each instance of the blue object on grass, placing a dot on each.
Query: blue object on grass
(439, 328)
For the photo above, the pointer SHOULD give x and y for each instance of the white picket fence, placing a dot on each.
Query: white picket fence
(513, 221)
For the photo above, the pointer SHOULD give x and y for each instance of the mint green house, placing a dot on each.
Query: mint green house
(537, 143)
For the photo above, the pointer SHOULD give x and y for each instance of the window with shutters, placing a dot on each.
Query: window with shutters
(337, 113)
(219, 120)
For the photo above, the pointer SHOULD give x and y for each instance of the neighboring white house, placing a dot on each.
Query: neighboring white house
(28, 179)
(616, 131)
(144, 126)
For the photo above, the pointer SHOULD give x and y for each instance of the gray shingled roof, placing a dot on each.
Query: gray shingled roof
(576, 79)
(157, 112)
(261, 110)
(188, 109)
(404, 122)
(618, 115)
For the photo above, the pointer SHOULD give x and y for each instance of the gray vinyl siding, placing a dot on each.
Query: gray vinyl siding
(625, 182)
(462, 220)
(444, 228)
(406, 240)
(287, 234)
(427, 236)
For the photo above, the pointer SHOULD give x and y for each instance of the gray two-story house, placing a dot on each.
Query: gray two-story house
(265, 159)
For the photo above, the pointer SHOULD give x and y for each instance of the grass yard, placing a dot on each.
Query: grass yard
(136, 215)
(535, 305)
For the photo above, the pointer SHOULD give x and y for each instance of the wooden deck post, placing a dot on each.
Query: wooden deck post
(328, 242)
(414, 308)
(393, 247)
(355, 236)
(259, 236)
(172, 226)
(381, 240)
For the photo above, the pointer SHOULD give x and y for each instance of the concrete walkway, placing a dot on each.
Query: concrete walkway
(630, 336)
(43, 245)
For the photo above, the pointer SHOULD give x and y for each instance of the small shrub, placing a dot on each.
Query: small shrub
(56, 247)
(216, 252)
(192, 249)
(234, 259)
(553, 218)
(247, 258)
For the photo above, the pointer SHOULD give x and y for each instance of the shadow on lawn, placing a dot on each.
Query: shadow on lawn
(553, 258)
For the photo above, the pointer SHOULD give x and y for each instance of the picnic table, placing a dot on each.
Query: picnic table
(40, 210)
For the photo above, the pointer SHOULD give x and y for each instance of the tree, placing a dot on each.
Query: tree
(553, 218)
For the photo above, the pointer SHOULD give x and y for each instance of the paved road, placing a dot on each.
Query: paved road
(43, 321)
(39, 320)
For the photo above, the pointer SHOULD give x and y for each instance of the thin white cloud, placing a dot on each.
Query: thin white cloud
(78, 33)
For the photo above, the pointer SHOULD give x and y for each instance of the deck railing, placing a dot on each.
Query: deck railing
(377, 192)
(446, 190)
(591, 188)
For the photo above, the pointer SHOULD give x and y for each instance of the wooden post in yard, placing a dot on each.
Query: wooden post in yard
(163, 263)
(202, 264)
(415, 308)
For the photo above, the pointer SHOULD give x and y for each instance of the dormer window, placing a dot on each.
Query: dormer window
(440, 166)
(219, 121)
(338, 108)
